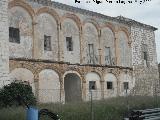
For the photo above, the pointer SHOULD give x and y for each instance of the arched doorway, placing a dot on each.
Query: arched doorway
(72, 87)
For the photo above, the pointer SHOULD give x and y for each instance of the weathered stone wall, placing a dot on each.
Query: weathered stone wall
(146, 76)
(141, 36)
(49, 79)
(4, 52)
(70, 29)
(38, 18)
(47, 25)
(20, 18)
(108, 40)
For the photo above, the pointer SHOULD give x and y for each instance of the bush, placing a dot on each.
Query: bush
(10, 94)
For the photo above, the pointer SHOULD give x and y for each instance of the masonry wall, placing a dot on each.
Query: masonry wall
(146, 75)
(4, 57)
(36, 20)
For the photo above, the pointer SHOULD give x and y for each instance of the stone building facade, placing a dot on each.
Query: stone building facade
(65, 52)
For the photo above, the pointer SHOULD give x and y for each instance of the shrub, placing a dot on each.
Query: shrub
(10, 94)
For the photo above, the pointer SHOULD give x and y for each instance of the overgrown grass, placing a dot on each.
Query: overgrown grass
(110, 109)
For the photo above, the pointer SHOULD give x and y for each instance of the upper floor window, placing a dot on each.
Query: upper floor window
(107, 55)
(145, 54)
(69, 43)
(126, 85)
(14, 35)
(47, 43)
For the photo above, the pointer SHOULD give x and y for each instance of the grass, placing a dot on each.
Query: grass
(110, 109)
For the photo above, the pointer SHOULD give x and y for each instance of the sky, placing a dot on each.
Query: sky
(147, 12)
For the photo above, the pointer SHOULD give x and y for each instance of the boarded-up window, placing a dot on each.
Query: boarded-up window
(47, 43)
(107, 56)
(69, 43)
(92, 85)
(14, 35)
(91, 53)
(109, 85)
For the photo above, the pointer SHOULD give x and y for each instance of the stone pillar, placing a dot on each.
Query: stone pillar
(62, 91)
(81, 44)
(84, 91)
(61, 43)
(102, 89)
(4, 43)
(36, 45)
(36, 82)
(116, 48)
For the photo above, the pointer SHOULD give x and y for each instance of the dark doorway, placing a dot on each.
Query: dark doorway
(72, 87)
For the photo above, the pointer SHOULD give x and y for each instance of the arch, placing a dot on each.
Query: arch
(125, 77)
(123, 49)
(24, 5)
(108, 44)
(92, 21)
(23, 65)
(74, 17)
(71, 71)
(125, 30)
(23, 74)
(48, 67)
(110, 85)
(50, 11)
(72, 86)
(71, 28)
(49, 83)
(94, 71)
(93, 85)
(110, 26)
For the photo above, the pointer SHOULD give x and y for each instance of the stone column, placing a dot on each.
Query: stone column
(81, 44)
(84, 91)
(36, 82)
(4, 43)
(61, 43)
(116, 48)
(37, 50)
(102, 89)
(62, 92)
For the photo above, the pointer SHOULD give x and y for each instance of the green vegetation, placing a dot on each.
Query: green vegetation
(110, 109)
(11, 94)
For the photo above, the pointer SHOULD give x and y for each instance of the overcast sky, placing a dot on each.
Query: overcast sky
(146, 12)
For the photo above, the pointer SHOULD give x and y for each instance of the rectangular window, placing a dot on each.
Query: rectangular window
(47, 43)
(91, 53)
(107, 56)
(69, 43)
(109, 85)
(92, 85)
(126, 85)
(145, 54)
(14, 35)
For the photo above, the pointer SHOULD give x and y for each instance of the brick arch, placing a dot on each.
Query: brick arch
(125, 30)
(74, 72)
(25, 66)
(114, 71)
(22, 4)
(94, 71)
(50, 11)
(47, 67)
(74, 17)
(92, 21)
